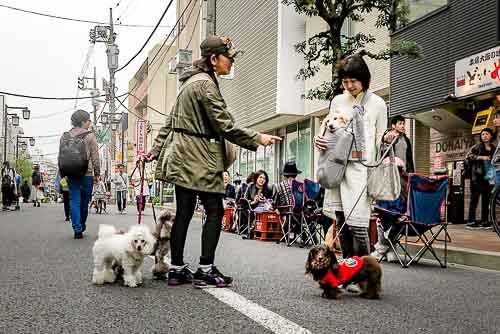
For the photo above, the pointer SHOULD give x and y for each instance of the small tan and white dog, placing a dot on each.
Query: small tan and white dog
(162, 234)
(334, 121)
(127, 250)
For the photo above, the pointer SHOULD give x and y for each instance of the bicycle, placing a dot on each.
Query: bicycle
(495, 209)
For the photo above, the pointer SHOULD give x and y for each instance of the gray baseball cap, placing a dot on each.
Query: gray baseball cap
(218, 45)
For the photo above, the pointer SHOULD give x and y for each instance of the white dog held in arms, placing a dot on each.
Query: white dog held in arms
(126, 250)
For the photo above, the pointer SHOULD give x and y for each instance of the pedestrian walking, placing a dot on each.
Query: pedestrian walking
(79, 161)
(63, 187)
(201, 122)
(26, 191)
(36, 186)
(8, 186)
(121, 185)
(482, 178)
(368, 113)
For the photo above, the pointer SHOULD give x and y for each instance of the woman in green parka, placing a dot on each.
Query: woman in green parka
(191, 153)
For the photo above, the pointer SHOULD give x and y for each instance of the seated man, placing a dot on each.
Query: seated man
(402, 151)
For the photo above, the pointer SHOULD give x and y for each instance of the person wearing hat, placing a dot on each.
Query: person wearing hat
(479, 158)
(80, 188)
(283, 192)
(192, 154)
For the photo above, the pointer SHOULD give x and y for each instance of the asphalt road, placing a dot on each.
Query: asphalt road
(45, 287)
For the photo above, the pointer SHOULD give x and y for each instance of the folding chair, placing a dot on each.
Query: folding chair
(243, 215)
(291, 214)
(313, 213)
(426, 198)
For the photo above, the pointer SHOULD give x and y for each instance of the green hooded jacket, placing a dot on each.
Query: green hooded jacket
(186, 156)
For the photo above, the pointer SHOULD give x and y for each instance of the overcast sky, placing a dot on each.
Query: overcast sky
(44, 56)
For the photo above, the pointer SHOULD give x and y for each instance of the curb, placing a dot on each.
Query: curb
(464, 256)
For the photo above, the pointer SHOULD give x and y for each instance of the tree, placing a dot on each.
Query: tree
(330, 47)
(25, 169)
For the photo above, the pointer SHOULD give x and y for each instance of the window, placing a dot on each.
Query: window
(419, 8)
(304, 149)
(269, 162)
(298, 146)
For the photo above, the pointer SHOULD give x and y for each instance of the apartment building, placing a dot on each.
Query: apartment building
(265, 93)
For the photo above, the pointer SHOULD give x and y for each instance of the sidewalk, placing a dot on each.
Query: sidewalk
(478, 248)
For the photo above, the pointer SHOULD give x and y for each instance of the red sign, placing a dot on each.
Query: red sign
(141, 136)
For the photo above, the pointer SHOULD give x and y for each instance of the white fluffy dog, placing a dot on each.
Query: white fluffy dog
(126, 250)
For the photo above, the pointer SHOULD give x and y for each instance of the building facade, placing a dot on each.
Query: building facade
(265, 93)
(451, 92)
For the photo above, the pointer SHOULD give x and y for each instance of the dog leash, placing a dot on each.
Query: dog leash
(140, 166)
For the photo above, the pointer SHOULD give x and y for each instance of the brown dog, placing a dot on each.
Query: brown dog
(323, 266)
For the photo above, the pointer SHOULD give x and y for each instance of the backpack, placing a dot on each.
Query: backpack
(36, 179)
(73, 159)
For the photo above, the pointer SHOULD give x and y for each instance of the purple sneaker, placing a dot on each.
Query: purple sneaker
(178, 277)
(212, 278)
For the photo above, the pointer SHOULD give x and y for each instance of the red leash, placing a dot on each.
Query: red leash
(140, 165)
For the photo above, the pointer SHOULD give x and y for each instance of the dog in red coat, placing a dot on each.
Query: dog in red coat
(323, 266)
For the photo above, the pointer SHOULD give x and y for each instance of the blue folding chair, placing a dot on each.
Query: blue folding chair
(423, 218)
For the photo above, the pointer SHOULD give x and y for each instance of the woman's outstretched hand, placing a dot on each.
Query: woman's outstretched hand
(267, 140)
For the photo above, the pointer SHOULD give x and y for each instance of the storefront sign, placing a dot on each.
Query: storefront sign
(478, 73)
(140, 136)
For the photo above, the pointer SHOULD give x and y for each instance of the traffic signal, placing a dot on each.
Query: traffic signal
(81, 83)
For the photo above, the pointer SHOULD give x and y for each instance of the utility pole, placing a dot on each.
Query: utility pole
(106, 34)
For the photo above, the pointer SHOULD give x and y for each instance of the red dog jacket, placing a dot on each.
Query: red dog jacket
(347, 269)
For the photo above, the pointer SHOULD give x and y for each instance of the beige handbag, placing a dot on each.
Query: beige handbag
(384, 183)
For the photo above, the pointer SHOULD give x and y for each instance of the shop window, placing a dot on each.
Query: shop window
(251, 162)
(259, 163)
(243, 164)
(269, 162)
(419, 8)
(291, 139)
(304, 149)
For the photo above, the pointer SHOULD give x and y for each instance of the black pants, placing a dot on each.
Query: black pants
(186, 203)
(483, 190)
(7, 195)
(66, 203)
(354, 240)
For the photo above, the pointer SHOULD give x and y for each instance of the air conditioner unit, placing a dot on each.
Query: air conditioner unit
(184, 57)
(172, 66)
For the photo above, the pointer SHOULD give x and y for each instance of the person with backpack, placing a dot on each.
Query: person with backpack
(36, 186)
(79, 162)
(192, 153)
(8, 185)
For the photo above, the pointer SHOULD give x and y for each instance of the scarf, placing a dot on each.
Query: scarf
(358, 129)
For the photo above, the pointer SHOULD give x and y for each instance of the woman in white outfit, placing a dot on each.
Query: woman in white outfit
(340, 202)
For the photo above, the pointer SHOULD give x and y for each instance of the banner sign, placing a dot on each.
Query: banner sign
(141, 136)
(477, 73)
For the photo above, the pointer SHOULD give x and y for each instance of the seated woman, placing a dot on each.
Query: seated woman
(229, 190)
(259, 195)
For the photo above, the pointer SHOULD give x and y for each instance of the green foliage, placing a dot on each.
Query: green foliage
(25, 169)
(329, 47)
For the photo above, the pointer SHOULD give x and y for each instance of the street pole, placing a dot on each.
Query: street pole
(94, 102)
(4, 133)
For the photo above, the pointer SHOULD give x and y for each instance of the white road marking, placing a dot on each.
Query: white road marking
(270, 320)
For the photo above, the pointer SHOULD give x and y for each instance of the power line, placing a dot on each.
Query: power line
(150, 36)
(54, 98)
(148, 106)
(78, 20)
(195, 25)
(171, 31)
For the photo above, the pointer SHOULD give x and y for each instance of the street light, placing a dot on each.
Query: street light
(15, 122)
(104, 118)
(24, 145)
